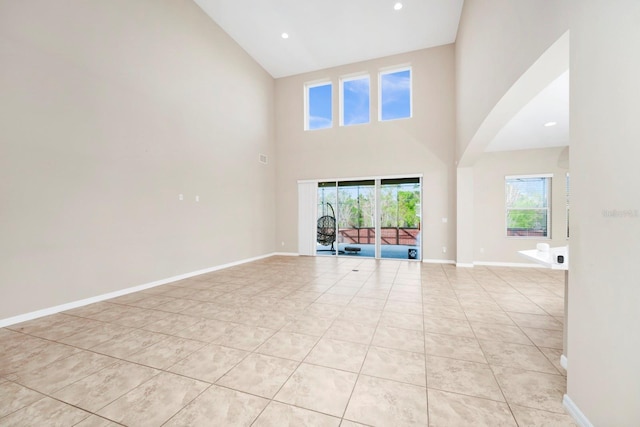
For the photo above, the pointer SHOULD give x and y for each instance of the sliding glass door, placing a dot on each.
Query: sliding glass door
(327, 225)
(400, 218)
(378, 218)
(357, 218)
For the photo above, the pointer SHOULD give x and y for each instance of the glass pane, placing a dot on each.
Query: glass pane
(319, 98)
(400, 219)
(527, 222)
(356, 218)
(527, 193)
(355, 101)
(395, 95)
(326, 233)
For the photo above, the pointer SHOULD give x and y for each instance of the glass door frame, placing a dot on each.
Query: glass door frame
(378, 211)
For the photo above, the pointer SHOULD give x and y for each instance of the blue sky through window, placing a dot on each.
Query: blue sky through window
(319, 99)
(395, 95)
(355, 101)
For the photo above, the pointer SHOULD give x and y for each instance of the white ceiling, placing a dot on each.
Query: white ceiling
(328, 33)
(526, 129)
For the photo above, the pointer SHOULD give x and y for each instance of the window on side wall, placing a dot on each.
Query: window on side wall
(528, 206)
(395, 94)
(354, 100)
(318, 106)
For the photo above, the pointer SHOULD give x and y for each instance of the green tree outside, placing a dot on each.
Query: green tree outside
(355, 207)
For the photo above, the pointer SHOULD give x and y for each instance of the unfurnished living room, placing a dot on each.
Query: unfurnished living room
(319, 213)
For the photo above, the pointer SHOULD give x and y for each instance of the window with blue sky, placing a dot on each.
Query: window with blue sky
(319, 114)
(395, 94)
(355, 103)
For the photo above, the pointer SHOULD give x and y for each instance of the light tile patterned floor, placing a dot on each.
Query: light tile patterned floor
(299, 341)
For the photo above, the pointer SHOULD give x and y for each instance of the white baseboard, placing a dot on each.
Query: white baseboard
(507, 264)
(75, 304)
(564, 362)
(439, 261)
(575, 412)
(285, 254)
(497, 264)
(464, 264)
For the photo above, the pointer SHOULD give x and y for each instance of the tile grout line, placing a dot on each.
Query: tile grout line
(272, 399)
(291, 312)
(364, 360)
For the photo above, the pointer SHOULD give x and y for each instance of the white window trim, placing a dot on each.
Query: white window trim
(539, 175)
(391, 71)
(548, 208)
(307, 87)
(567, 191)
(349, 78)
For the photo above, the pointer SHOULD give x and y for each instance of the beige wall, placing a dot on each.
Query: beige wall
(423, 144)
(108, 111)
(465, 217)
(604, 277)
(498, 40)
(489, 202)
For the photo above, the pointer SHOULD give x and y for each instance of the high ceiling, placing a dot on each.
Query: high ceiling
(328, 33)
(542, 123)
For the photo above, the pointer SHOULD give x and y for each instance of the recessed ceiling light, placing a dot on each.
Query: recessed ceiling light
(285, 35)
(397, 6)
(549, 124)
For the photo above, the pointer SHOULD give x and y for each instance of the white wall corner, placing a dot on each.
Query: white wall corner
(464, 216)
(578, 416)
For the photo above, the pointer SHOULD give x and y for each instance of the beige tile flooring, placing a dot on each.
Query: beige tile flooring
(299, 341)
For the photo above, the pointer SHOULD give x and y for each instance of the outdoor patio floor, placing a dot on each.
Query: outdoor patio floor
(368, 251)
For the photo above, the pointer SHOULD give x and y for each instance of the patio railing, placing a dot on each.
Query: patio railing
(389, 235)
